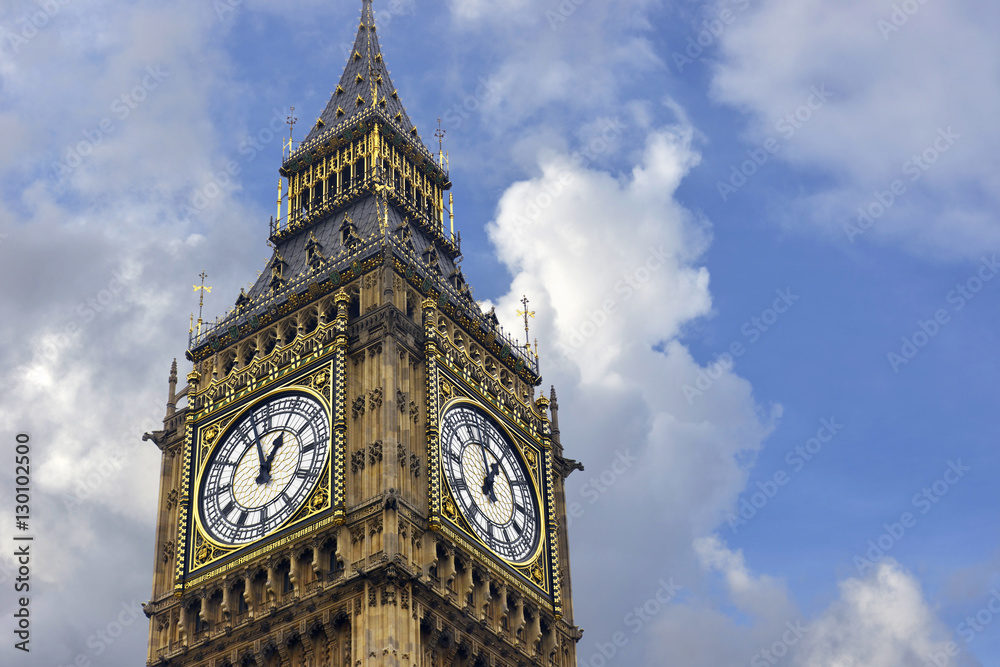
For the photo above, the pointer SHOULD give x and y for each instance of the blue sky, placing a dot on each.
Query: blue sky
(586, 138)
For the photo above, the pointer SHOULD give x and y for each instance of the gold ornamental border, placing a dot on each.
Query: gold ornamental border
(231, 418)
(531, 473)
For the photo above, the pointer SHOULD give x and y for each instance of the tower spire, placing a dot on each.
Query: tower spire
(364, 85)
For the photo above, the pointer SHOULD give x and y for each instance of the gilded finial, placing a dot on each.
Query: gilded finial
(527, 313)
(439, 133)
(201, 301)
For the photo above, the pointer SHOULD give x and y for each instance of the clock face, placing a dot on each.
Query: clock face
(490, 483)
(264, 468)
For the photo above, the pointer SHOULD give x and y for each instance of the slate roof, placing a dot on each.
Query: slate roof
(365, 84)
(365, 214)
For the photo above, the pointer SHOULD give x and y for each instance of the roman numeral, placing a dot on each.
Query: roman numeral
(308, 448)
(460, 484)
(228, 508)
(242, 520)
(303, 473)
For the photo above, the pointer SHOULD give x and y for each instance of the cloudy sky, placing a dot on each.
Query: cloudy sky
(760, 237)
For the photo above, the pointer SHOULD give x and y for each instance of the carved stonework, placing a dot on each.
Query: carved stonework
(358, 407)
(375, 398)
(358, 460)
(375, 452)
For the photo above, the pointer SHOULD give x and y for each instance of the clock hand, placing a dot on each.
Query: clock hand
(274, 449)
(488, 482)
(486, 463)
(265, 468)
(256, 437)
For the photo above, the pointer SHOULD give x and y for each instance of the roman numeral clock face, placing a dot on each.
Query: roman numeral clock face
(264, 468)
(490, 483)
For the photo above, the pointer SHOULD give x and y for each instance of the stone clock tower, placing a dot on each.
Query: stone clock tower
(359, 470)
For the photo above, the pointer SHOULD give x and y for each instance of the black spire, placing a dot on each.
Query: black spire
(365, 84)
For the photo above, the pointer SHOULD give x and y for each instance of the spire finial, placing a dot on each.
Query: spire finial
(291, 121)
(201, 300)
(526, 313)
(439, 133)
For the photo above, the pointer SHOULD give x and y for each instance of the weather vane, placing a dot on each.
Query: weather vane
(526, 313)
(201, 301)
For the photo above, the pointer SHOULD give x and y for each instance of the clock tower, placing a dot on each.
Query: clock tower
(359, 469)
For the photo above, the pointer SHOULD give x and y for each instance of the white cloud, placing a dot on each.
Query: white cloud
(880, 620)
(612, 267)
(893, 90)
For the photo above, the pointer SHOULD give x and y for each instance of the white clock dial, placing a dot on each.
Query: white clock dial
(264, 468)
(489, 482)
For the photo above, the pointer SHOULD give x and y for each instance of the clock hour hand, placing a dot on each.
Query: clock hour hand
(488, 482)
(274, 449)
(265, 467)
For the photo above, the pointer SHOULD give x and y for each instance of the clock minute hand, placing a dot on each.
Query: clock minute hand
(256, 437)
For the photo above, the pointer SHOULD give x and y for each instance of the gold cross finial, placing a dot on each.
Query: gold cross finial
(291, 121)
(201, 300)
(439, 133)
(526, 313)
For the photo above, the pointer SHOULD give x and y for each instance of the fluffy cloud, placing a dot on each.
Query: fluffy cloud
(612, 267)
(105, 107)
(881, 619)
(899, 81)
